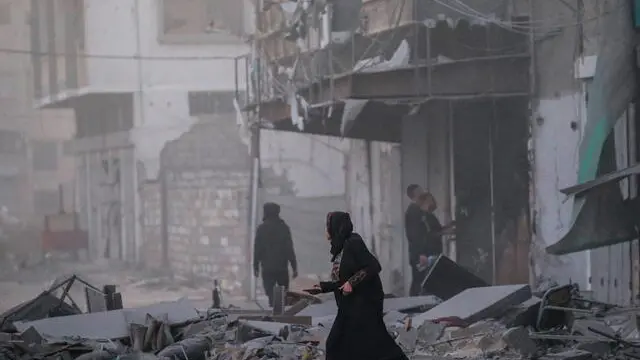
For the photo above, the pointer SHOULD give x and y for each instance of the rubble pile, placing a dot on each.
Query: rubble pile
(460, 320)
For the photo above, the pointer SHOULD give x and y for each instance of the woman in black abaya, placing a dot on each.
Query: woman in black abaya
(358, 332)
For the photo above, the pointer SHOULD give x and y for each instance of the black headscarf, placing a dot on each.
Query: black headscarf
(339, 228)
(270, 211)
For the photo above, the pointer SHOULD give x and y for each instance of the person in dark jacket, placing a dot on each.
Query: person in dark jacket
(415, 232)
(433, 228)
(358, 331)
(273, 251)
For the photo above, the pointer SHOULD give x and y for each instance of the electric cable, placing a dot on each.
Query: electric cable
(116, 57)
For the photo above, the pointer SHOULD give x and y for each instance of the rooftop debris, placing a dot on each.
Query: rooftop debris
(491, 321)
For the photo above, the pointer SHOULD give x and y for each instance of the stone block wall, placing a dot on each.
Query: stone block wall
(208, 225)
(151, 254)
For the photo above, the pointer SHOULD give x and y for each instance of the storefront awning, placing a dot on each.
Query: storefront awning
(600, 217)
(355, 119)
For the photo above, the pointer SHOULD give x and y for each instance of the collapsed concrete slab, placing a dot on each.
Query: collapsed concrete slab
(391, 304)
(477, 304)
(110, 324)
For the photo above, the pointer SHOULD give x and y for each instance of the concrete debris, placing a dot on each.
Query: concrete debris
(476, 323)
(429, 332)
(479, 303)
(518, 339)
(589, 327)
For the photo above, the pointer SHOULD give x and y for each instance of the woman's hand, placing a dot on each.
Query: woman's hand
(346, 288)
(317, 289)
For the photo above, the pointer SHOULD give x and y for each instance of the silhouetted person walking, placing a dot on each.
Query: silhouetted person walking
(273, 251)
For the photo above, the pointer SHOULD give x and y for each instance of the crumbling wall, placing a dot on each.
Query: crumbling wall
(151, 252)
(207, 173)
(559, 115)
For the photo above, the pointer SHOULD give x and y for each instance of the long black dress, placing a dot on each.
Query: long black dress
(358, 332)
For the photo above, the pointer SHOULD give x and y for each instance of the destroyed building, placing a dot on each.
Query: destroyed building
(497, 107)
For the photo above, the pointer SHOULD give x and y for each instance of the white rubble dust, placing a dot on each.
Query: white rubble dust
(138, 287)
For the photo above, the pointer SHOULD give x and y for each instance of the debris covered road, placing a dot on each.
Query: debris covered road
(457, 321)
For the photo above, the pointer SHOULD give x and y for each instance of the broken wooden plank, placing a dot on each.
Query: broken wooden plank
(285, 319)
(297, 307)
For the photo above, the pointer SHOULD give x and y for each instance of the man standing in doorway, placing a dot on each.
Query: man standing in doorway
(416, 234)
(273, 251)
(434, 229)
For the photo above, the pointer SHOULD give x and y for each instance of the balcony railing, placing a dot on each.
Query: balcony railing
(57, 37)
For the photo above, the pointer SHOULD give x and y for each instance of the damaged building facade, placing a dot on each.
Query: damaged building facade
(34, 161)
(140, 77)
(496, 107)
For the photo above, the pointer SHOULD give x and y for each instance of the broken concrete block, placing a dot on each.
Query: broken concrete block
(484, 346)
(581, 327)
(193, 348)
(491, 344)
(320, 310)
(518, 339)
(323, 321)
(480, 303)
(568, 355)
(96, 355)
(407, 340)
(599, 348)
(525, 314)
(430, 332)
(297, 307)
(195, 328)
(393, 317)
(405, 304)
(113, 324)
(315, 335)
(480, 327)
(391, 304)
(31, 336)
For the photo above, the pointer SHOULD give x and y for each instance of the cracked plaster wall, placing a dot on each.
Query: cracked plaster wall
(555, 142)
(160, 86)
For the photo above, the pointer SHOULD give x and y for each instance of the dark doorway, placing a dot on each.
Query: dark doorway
(491, 188)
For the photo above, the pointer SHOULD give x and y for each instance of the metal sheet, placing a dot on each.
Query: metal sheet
(601, 219)
(609, 94)
(446, 279)
(582, 189)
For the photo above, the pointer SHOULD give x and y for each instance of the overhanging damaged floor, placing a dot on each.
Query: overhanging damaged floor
(376, 120)
(408, 65)
(491, 76)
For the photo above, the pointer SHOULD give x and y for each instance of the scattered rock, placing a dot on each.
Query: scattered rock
(581, 326)
(569, 355)
(518, 339)
(595, 347)
(407, 339)
(430, 332)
